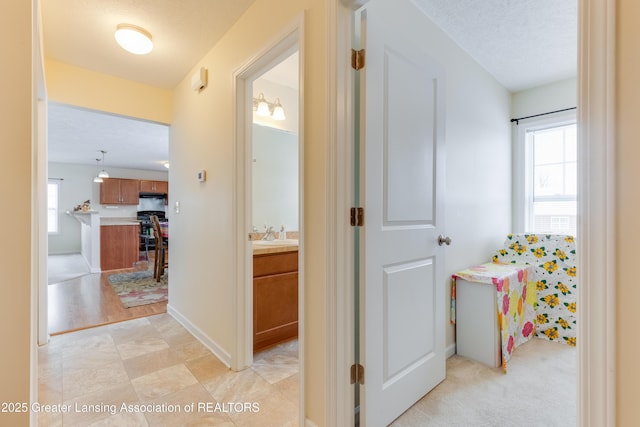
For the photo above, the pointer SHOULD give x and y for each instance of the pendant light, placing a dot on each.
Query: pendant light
(103, 173)
(97, 178)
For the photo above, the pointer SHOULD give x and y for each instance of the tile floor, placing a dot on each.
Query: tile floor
(158, 370)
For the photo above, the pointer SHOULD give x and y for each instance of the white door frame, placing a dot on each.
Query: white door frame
(283, 45)
(596, 119)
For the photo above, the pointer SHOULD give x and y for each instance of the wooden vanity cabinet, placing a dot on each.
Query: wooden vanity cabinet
(119, 191)
(275, 298)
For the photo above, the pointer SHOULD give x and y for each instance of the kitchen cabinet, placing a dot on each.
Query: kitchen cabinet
(275, 298)
(147, 186)
(119, 191)
(119, 246)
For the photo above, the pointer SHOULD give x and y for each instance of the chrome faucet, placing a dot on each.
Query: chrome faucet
(268, 233)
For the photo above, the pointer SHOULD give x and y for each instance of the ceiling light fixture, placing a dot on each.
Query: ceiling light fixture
(134, 39)
(97, 178)
(264, 108)
(103, 173)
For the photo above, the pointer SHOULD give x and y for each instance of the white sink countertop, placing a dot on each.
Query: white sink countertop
(261, 247)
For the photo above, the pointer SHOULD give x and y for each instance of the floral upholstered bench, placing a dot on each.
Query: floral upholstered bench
(553, 257)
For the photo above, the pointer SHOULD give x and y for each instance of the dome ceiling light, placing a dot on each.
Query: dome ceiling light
(134, 39)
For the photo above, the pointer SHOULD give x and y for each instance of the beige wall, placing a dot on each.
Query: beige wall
(15, 114)
(72, 85)
(15, 188)
(627, 213)
(202, 138)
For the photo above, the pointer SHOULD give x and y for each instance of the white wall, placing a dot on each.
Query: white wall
(76, 186)
(478, 165)
(202, 137)
(543, 99)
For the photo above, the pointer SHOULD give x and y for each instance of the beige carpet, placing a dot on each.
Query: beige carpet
(538, 390)
(65, 267)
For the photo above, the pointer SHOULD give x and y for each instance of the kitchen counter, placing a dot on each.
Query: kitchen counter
(118, 221)
(263, 247)
(89, 237)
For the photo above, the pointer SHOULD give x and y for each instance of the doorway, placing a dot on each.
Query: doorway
(590, 336)
(86, 150)
(269, 179)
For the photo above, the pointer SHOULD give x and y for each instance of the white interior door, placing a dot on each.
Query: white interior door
(403, 316)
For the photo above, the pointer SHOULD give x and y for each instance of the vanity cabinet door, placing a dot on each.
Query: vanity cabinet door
(275, 309)
(275, 298)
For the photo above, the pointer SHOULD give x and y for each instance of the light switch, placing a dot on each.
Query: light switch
(177, 207)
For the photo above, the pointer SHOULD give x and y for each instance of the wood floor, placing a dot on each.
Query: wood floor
(90, 301)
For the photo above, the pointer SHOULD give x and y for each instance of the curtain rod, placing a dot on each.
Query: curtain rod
(542, 114)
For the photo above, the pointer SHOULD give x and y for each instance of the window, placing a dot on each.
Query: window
(53, 197)
(551, 180)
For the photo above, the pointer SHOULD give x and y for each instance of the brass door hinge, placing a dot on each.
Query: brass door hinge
(357, 374)
(357, 217)
(357, 59)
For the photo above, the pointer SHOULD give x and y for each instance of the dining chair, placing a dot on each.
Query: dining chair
(160, 261)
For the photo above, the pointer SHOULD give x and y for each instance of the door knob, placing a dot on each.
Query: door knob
(444, 240)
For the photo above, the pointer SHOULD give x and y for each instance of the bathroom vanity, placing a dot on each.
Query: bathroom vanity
(275, 293)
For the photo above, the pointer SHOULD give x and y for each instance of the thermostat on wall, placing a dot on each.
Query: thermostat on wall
(202, 175)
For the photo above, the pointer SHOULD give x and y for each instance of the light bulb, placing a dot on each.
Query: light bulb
(278, 111)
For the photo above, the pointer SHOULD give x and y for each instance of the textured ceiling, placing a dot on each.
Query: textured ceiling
(76, 135)
(522, 43)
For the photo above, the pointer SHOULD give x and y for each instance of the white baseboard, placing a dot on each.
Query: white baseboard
(219, 352)
(451, 350)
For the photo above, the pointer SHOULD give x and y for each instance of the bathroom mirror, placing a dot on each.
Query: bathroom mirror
(275, 178)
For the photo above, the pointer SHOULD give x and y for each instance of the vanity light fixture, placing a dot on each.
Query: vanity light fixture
(103, 173)
(134, 39)
(97, 178)
(278, 111)
(261, 106)
(264, 108)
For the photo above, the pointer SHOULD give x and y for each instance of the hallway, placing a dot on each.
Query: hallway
(156, 363)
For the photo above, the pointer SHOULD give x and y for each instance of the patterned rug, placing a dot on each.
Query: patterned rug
(139, 288)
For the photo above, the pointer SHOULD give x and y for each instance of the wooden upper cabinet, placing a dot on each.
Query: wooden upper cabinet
(147, 186)
(110, 191)
(118, 191)
(130, 191)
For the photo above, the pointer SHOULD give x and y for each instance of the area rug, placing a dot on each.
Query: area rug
(139, 288)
